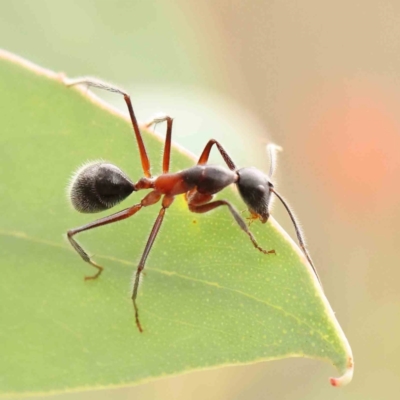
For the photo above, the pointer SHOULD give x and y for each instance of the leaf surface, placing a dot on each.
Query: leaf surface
(208, 297)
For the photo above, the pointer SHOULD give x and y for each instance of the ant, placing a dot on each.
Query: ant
(99, 185)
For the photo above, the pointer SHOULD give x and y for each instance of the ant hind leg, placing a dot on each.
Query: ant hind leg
(85, 257)
(92, 82)
(128, 212)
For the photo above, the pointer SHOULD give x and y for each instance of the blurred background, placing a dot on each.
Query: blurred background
(319, 78)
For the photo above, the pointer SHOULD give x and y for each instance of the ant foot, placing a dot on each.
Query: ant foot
(266, 251)
(139, 326)
(97, 274)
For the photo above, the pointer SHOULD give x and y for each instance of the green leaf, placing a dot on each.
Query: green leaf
(208, 298)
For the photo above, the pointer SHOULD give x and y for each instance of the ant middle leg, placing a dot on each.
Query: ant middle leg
(167, 201)
(198, 203)
(167, 144)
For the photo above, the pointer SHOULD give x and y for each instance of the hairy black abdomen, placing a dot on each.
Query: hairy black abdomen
(99, 186)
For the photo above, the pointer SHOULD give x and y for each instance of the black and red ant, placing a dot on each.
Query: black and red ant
(100, 185)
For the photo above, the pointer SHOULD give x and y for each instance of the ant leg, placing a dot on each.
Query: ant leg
(128, 212)
(203, 208)
(98, 84)
(167, 201)
(148, 200)
(206, 153)
(167, 145)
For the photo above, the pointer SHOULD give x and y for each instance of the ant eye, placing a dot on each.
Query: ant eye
(260, 190)
(98, 186)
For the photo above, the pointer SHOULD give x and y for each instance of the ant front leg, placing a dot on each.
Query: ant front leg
(206, 154)
(198, 203)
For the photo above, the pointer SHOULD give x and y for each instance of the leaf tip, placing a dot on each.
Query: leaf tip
(346, 377)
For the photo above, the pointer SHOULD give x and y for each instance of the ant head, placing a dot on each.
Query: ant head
(255, 188)
(98, 186)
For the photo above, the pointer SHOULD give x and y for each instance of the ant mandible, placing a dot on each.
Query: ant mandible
(98, 186)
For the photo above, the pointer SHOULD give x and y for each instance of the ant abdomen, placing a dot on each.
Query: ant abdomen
(98, 186)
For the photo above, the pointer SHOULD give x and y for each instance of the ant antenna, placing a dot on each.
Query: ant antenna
(299, 233)
(272, 150)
